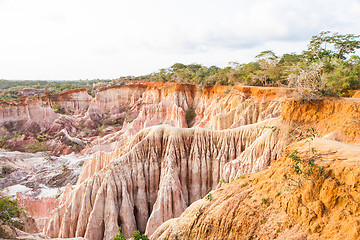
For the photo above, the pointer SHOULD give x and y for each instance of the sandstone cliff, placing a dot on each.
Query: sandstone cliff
(166, 169)
(154, 166)
(269, 205)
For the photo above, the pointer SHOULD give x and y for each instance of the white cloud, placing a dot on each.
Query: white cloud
(42, 39)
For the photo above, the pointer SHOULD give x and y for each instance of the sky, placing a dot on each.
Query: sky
(106, 39)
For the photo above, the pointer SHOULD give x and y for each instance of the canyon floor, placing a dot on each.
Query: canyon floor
(178, 162)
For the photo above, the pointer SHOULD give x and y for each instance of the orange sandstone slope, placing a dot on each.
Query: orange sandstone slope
(336, 116)
(278, 204)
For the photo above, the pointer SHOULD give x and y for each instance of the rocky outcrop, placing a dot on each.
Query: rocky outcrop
(28, 114)
(76, 101)
(166, 169)
(225, 107)
(267, 205)
(168, 103)
(123, 111)
(152, 166)
(38, 111)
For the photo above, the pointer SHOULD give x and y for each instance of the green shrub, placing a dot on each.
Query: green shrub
(305, 165)
(138, 236)
(129, 120)
(91, 94)
(2, 141)
(208, 197)
(190, 114)
(6, 169)
(42, 137)
(7, 147)
(265, 201)
(64, 167)
(244, 184)
(58, 109)
(37, 147)
(120, 235)
(8, 210)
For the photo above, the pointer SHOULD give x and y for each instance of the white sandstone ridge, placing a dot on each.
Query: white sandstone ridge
(154, 104)
(159, 173)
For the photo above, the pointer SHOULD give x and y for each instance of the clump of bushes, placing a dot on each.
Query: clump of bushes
(37, 147)
(208, 197)
(120, 235)
(2, 141)
(6, 169)
(58, 109)
(190, 114)
(265, 201)
(136, 236)
(8, 210)
(42, 137)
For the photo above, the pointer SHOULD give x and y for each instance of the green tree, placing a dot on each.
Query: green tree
(326, 44)
(177, 66)
(269, 72)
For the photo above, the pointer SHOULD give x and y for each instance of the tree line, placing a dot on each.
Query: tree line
(328, 66)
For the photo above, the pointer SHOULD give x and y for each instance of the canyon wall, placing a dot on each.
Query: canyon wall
(277, 203)
(155, 173)
(166, 169)
(158, 160)
(25, 114)
(38, 110)
(76, 101)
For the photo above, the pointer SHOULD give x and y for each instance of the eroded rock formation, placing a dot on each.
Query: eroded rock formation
(267, 205)
(154, 166)
(166, 169)
(123, 111)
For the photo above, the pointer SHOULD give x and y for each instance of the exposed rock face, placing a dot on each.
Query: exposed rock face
(328, 115)
(22, 114)
(124, 111)
(326, 207)
(76, 101)
(155, 166)
(38, 110)
(165, 170)
(221, 108)
(166, 103)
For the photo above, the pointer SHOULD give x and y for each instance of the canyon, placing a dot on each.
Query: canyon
(175, 161)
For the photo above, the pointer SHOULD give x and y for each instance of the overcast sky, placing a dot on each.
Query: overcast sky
(88, 39)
